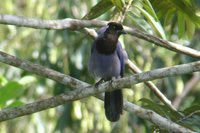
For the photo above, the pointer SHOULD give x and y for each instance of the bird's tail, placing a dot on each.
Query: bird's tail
(113, 104)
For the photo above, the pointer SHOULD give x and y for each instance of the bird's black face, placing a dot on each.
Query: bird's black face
(108, 42)
(115, 28)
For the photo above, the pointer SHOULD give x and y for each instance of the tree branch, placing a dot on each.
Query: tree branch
(87, 90)
(76, 24)
(188, 87)
(163, 43)
(128, 81)
(125, 82)
(67, 23)
(153, 87)
(162, 122)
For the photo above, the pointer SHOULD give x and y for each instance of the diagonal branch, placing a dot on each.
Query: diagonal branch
(125, 82)
(162, 122)
(76, 24)
(71, 96)
(83, 90)
(151, 86)
(188, 87)
(74, 83)
(163, 43)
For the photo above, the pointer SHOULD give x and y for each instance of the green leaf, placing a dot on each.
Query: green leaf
(3, 80)
(10, 91)
(187, 8)
(191, 109)
(191, 117)
(153, 106)
(163, 110)
(118, 3)
(168, 17)
(181, 24)
(15, 104)
(174, 115)
(150, 9)
(99, 9)
(181, 13)
(27, 80)
(192, 121)
(155, 24)
(139, 23)
(190, 28)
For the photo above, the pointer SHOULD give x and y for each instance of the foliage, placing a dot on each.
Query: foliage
(189, 117)
(67, 51)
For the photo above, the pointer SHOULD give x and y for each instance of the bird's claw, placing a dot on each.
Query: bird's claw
(99, 82)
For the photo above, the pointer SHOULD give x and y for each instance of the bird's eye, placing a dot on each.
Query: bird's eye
(114, 27)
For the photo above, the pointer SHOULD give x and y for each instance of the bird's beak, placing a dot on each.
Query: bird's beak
(122, 32)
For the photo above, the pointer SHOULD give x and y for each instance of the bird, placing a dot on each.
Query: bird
(107, 61)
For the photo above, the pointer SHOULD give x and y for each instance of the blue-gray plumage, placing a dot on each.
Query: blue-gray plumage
(107, 61)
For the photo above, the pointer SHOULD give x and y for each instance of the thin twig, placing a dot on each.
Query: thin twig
(119, 16)
(188, 87)
(153, 87)
(189, 116)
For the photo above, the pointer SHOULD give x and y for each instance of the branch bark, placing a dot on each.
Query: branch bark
(75, 24)
(151, 86)
(125, 82)
(83, 90)
(163, 43)
(67, 23)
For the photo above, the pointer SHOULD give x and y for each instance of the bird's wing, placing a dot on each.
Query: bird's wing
(122, 57)
(93, 46)
(100, 33)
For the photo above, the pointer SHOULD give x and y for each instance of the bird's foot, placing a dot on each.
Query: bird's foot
(99, 82)
(110, 83)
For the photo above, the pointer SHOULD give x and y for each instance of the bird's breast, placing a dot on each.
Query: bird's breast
(106, 45)
(105, 66)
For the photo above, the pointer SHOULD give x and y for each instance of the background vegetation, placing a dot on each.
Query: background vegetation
(68, 52)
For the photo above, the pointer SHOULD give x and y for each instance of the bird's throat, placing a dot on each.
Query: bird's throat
(106, 46)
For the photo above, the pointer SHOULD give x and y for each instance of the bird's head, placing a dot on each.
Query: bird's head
(107, 41)
(115, 28)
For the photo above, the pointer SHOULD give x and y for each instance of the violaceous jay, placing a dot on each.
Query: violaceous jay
(107, 61)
